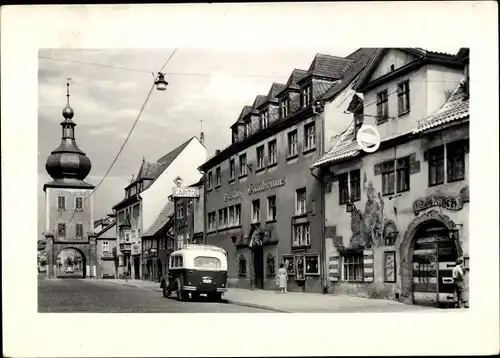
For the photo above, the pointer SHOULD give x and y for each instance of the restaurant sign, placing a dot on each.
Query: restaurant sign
(186, 193)
(448, 202)
(265, 186)
(237, 195)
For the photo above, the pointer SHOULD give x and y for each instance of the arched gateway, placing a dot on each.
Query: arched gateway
(428, 253)
(68, 200)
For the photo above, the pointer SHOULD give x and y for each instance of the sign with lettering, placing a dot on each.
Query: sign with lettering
(136, 249)
(448, 202)
(186, 193)
(265, 186)
(237, 195)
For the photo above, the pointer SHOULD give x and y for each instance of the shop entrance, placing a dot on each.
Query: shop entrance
(434, 256)
(258, 266)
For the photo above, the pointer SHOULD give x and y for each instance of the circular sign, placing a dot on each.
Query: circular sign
(368, 138)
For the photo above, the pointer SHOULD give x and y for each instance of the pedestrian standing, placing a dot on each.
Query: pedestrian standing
(458, 280)
(282, 278)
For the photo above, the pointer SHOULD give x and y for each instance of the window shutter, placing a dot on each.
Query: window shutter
(368, 265)
(334, 268)
(377, 169)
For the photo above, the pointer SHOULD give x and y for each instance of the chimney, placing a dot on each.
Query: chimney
(202, 138)
(217, 151)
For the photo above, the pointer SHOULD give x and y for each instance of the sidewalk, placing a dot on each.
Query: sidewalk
(297, 302)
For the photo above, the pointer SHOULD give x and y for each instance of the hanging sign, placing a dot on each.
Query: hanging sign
(368, 138)
(186, 192)
(265, 186)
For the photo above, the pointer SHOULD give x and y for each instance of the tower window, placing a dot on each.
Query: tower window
(61, 203)
(61, 231)
(79, 203)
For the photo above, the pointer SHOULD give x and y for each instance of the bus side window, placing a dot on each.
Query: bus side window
(180, 261)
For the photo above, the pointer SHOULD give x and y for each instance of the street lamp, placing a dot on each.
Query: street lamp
(161, 84)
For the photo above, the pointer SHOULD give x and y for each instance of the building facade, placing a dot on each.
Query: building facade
(68, 202)
(146, 197)
(106, 248)
(262, 205)
(188, 216)
(397, 219)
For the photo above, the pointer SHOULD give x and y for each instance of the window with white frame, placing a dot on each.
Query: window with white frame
(312, 264)
(221, 218)
(105, 246)
(211, 221)
(217, 177)
(237, 214)
(232, 169)
(232, 217)
(310, 136)
(248, 129)
(225, 217)
(210, 176)
(292, 143)
(403, 97)
(79, 203)
(256, 211)
(353, 266)
(272, 155)
(300, 199)
(306, 96)
(260, 157)
(382, 106)
(264, 119)
(61, 231)
(79, 231)
(243, 164)
(271, 208)
(301, 235)
(285, 107)
(61, 202)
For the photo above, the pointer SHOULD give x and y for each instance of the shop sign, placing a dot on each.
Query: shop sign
(237, 195)
(448, 202)
(136, 249)
(265, 186)
(186, 193)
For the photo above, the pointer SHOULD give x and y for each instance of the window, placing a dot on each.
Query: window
(79, 231)
(79, 203)
(272, 152)
(235, 136)
(211, 221)
(353, 267)
(180, 210)
(402, 174)
(343, 188)
(403, 97)
(260, 157)
(189, 207)
(292, 143)
(242, 266)
(382, 106)
(237, 214)
(248, 129)
(135, 211)
(105, 246)
(300, 198)
(271, 266)
(243, 164)
(455, 161)
(355, 185)
(61, 231)
(271, 208)
(312, 265)
(210, 176)
(256, 211)
(301, 235)
(285, 107)
(306, 96)
(310, 136)
(217, 177)
(221, 218)
(388, 177)
(225, 217)
(264, 120)
(180, 243)
(232, 169)
(205, 262)
(61, 203)
(232, 217)
(436, 165)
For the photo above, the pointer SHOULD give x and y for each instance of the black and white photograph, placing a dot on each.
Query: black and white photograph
(332, 180)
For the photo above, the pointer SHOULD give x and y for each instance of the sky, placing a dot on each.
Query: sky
(206, 88)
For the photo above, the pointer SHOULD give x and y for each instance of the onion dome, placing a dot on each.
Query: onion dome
(68, 161)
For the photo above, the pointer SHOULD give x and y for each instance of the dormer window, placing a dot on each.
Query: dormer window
(306, 96)
(235, 136)
(285, 107)
(264, 119)
(248, 129)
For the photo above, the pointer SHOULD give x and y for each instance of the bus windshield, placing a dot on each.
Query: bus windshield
(207, 262)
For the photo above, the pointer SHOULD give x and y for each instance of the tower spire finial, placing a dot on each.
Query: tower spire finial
(68, 111)
(67, 90)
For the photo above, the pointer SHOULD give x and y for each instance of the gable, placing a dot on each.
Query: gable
(393, 56)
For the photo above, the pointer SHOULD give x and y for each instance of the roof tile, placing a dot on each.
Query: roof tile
(328, 66)
(161, 220)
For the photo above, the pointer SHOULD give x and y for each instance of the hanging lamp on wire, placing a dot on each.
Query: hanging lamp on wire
(161, 84)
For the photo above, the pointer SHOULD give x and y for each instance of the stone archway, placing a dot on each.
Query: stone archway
(407, 246)
(84, 261)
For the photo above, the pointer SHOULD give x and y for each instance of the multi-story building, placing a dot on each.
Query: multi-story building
(397, 219)
(146, 198)
(262, 204)
(189, 216)
(106, 247)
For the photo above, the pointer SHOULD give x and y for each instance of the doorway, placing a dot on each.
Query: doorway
(434, 257)
(258, 266)
(137, 267)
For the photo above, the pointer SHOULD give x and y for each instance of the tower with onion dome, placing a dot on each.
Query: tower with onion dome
(68, 199)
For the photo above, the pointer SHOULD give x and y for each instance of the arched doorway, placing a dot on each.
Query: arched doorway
(71, 263)
(428, 253)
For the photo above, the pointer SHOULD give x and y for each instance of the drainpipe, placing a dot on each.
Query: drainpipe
(204, 208)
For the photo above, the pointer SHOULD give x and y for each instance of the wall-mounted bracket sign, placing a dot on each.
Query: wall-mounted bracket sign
(265, 186)
(186, 193)
(368, 138)
(449, 202)
(237, 195)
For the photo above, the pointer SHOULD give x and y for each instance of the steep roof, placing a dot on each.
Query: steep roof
(243, 113)
(259, 100)
(360, 58)
(294, 78)
(161, 220)
(106, 228)
(328, 66)
(455, 108)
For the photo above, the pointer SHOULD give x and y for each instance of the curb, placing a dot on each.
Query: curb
(253, 305)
